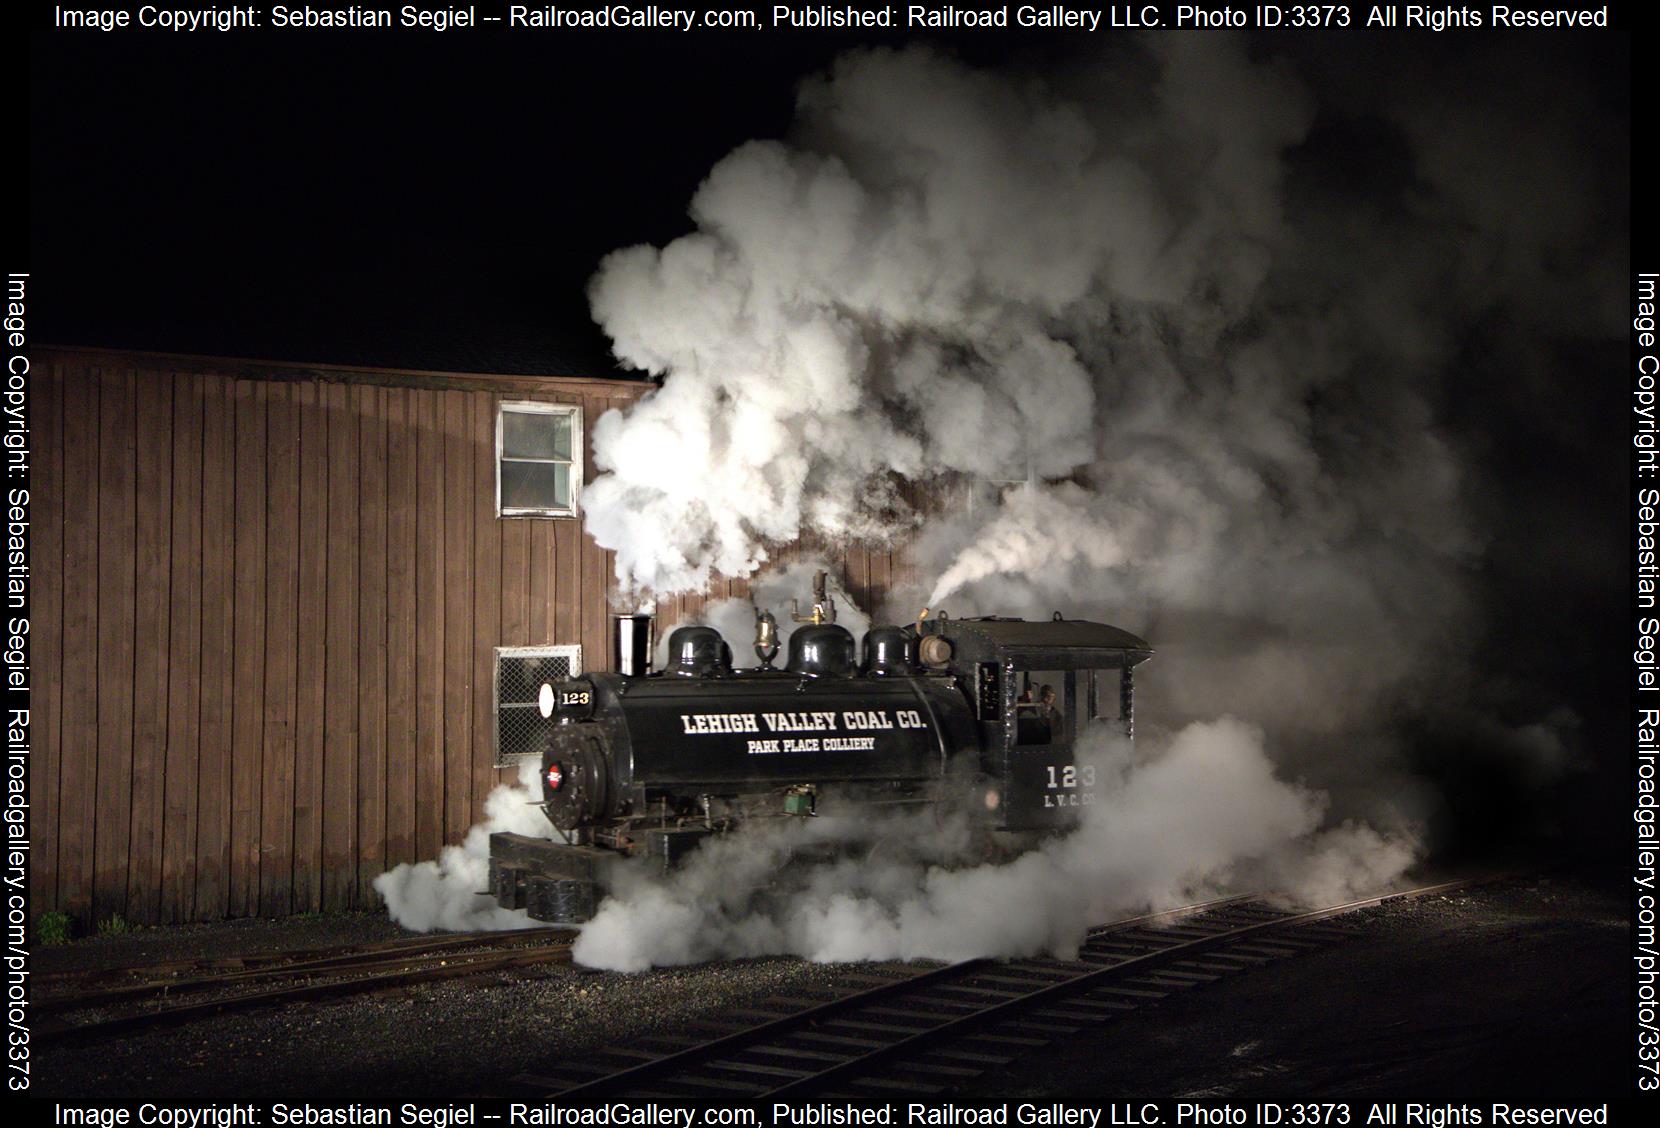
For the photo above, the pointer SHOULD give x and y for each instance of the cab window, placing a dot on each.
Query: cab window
(1043, 707)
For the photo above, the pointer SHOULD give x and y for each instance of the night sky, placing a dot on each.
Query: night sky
(440, 201)
(420, 201)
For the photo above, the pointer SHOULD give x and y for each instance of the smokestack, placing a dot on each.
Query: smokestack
(631, 643)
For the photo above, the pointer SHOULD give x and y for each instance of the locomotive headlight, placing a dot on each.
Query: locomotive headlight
(994, 799)
(555, 776)
(544, 700)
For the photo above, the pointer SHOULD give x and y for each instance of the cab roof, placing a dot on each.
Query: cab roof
(1027, 638)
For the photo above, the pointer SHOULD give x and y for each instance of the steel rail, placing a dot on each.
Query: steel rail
(742, 1039)
(253, 961)
(429, 971)
(1127, 968)
(337, 962)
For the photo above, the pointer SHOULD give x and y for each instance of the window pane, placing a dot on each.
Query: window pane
(1040, 707)
(1109, 694)
(533, 434)
(535, 485)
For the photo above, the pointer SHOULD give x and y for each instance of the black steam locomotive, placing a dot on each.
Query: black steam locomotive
(651, 764)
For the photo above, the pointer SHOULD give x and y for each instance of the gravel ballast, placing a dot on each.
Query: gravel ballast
(1513, 989)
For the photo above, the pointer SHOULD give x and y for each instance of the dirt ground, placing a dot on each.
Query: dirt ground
(1514, 991)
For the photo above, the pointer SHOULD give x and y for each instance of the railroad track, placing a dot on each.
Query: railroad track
(184, 991)
(66, 984)
(921, 1033)
(174, 970)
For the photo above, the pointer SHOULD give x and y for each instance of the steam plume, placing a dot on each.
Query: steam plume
(1208, 307)
(444, 894)
(1205, 813)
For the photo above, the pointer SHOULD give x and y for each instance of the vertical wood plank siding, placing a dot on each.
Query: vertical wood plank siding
(267, 603)
(307, 812)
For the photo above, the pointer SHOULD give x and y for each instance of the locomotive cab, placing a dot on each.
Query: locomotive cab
(1037, 687)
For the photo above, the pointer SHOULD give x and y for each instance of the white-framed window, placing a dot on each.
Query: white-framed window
(538, 459)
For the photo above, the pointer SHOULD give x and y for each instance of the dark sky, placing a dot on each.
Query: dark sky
(431, 201)
(329, 198)
(404, 199)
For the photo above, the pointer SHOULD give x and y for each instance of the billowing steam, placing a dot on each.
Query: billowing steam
(445, 893)
(1197, 318)
(955, 273)
(1203, 814)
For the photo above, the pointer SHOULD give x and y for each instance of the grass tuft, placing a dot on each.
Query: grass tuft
(54, 928)
(114, 925)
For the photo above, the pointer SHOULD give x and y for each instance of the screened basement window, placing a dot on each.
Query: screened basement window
(538, 459)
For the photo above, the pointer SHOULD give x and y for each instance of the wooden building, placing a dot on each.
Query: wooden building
(268, 601)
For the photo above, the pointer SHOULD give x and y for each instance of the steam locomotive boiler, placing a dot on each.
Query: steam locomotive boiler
(652, 763)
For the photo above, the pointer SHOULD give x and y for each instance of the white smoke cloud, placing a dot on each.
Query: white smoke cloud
(907, 297)
(1217, 355)
(444, 894)
(1204, 813)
